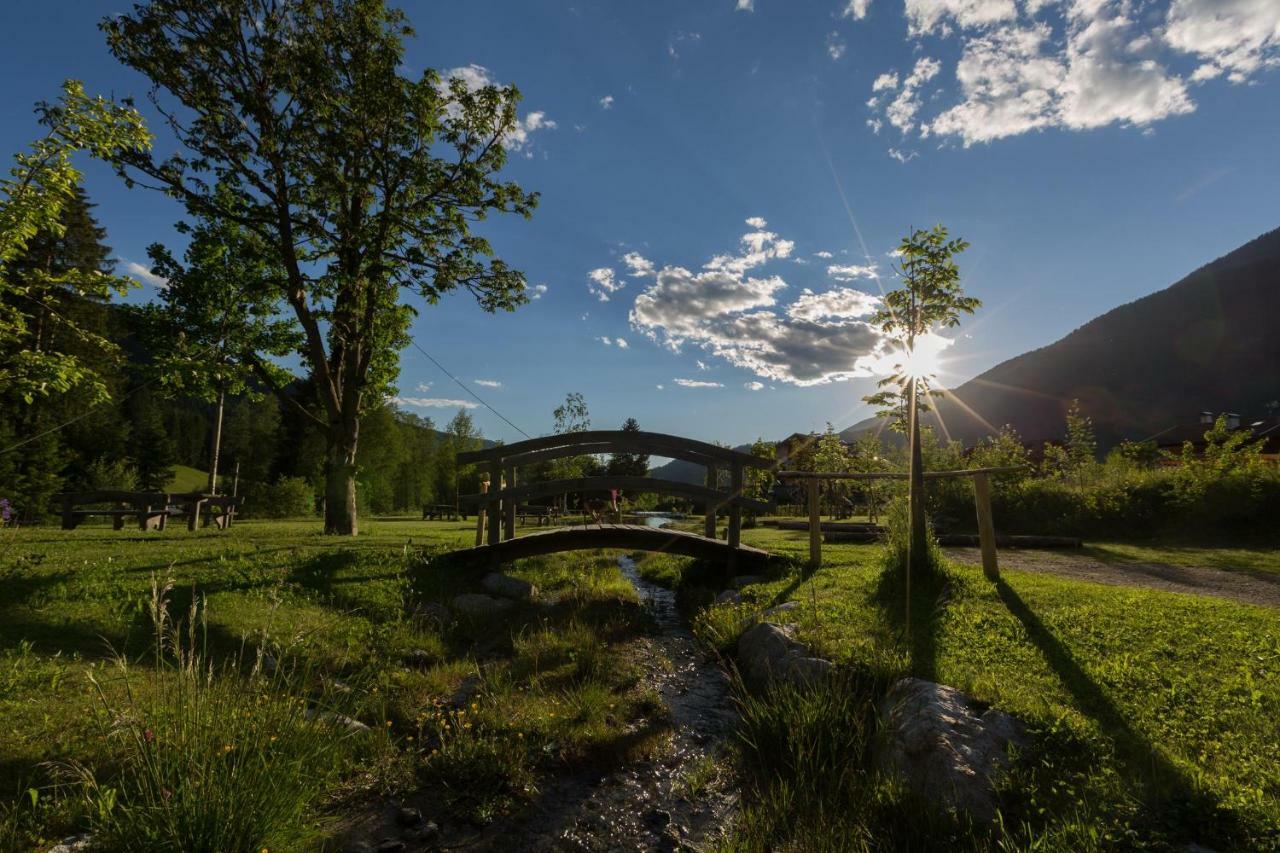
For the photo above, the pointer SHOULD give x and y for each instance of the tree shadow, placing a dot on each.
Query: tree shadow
(1173, 800)
(929, 594)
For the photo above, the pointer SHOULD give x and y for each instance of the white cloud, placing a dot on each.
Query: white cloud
(757, 223)
(754, 385)
(697, 383)
(856, 9)
(424, 387)
(1105, 62)
(902, 110)
(756, 248)
(489, 383)
(143, 274)
(638, 265)
(840, 303)
(677, 41)
(621, 343)
(835, 46)
(823, 254)
(475, 77)
(537, 291)
(661, 387)
(925, 16)
(606, 103)
(1240, 37)
(733, 316)
(848, 272)
(903, 156)
(433, 403)
(701, 365)
(746, 6)
(603, 282)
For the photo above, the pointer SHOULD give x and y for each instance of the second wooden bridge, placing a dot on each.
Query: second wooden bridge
(506, 493)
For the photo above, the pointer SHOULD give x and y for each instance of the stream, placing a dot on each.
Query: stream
(647, 804)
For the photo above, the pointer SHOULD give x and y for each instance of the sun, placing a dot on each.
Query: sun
(925, 361)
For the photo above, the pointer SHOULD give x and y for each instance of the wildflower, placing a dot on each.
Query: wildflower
(227, 747)
(148, 736)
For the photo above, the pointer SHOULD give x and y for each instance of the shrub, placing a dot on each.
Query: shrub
(897, 525)
(213, 760)
(287, 497)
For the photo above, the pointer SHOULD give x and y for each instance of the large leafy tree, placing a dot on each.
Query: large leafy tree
(930, 298)
(362, 183)
(216, 323)
(39, 279)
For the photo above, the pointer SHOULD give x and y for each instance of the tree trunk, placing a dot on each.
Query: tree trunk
(340, 480)
(216, 453)
(918, 553)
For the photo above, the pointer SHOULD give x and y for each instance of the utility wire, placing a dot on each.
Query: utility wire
(464, 387)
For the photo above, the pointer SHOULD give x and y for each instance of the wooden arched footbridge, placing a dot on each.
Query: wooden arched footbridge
(507, 493)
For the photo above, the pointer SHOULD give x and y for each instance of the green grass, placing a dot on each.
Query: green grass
(474, 715)
(188, 479)
(1153, 713)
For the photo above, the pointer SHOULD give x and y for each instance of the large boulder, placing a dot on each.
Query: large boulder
(496, 583)
(769, 653)
(948, 748)
(477, 605)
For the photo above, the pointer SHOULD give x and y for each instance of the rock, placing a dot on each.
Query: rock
(746, 580)
(420, 658)
(785, 607)
(389, 845)
(466, 691)
(74, 844)
(731, 596)
(506, 586)
(339, 720)
(769, 653)
(433, 614)
(946, 747)
(480, 606)
(406, 816)
(429, 831)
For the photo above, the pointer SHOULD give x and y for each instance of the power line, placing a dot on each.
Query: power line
(464, 387)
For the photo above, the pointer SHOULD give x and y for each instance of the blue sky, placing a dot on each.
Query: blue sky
(727, 172)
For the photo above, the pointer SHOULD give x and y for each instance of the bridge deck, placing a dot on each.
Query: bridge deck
(633, 537)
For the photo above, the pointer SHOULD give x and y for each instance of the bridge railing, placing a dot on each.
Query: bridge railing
(505, 493)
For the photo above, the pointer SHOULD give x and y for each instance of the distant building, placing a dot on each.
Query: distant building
(1265, 430)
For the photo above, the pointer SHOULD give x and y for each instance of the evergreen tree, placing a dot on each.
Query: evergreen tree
(629, 464)
(150, 447)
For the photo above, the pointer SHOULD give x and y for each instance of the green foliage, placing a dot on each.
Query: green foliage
(287, 497)
(897, 542)
(213, 760)
(41, 184)
(359, 183)
(629, 464)
(760, 481)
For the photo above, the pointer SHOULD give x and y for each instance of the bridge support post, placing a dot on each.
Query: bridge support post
(484, 488)
(734, 535)
(986, 526)
(815, 525)
(709, 522)
(509, 506)
(494, 505)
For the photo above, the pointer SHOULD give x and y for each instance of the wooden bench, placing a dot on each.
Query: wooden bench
(221, 509)
(541, 514)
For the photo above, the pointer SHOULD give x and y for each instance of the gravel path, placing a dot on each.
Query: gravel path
(1248, 587)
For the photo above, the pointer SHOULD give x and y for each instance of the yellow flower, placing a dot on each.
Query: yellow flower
(226, 747)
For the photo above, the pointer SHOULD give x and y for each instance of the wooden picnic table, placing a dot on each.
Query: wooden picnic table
(447, 512)
(151, 509)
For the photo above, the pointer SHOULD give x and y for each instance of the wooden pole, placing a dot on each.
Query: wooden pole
(509, 506)
(484, 489)
(735, 509)
(815, 526)
(493, 508)
(216, 452)
(986, 526)
(709, 522)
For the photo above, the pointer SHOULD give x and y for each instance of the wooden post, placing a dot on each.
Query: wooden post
(735, 509)
(986, 526)
(509, 506)
(68, 512)
(709, 523)
(815, 525)
(484, 489)
(495, 503)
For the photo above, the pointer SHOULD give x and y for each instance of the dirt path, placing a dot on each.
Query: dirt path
(1248, 587)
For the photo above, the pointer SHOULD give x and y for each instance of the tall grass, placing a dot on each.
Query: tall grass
(213, 758)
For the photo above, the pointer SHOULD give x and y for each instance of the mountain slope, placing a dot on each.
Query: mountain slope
(1210, 341)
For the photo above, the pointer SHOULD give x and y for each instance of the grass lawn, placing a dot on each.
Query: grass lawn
(475, 714)
(188, 479)
(1154, 714)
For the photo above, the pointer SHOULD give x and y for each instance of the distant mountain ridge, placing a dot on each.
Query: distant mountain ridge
(1209, 342)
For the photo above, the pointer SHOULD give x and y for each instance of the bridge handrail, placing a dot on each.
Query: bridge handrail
(620, 441)
(716, 497)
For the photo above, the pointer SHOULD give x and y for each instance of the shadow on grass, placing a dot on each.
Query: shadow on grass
(928, 602)
(1174, 803)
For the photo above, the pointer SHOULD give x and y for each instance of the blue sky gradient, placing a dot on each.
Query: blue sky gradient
(1109, 158)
